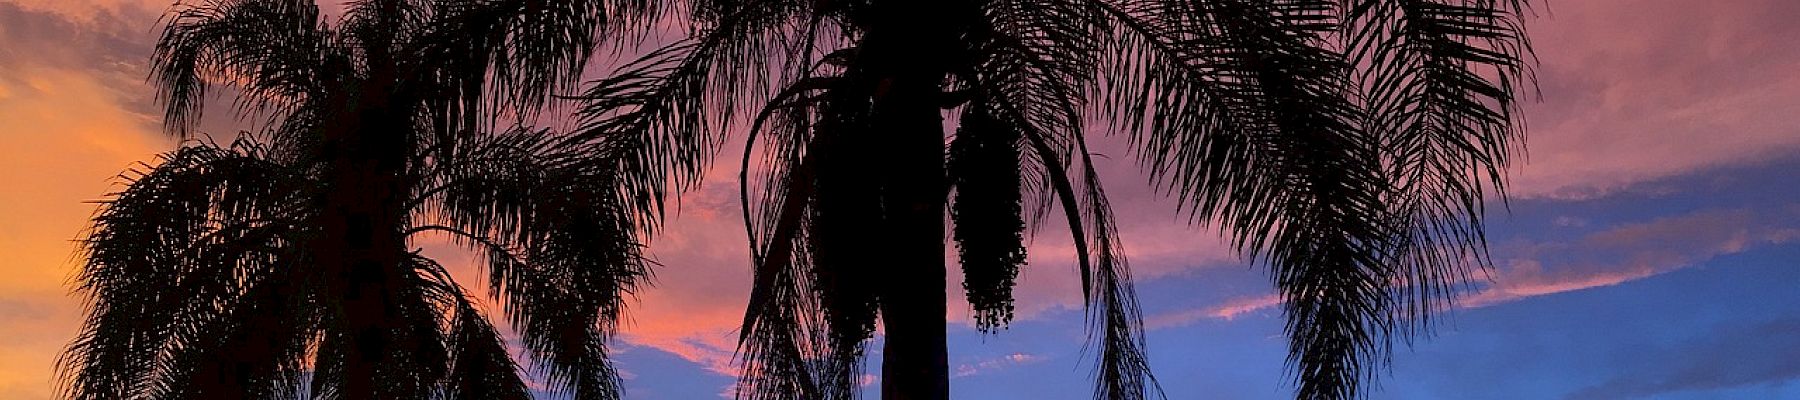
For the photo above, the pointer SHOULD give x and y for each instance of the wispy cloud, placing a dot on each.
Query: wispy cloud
(995, 364)
(1229, 310)
(1635, 251)
(1610, 257)
(1730, 357)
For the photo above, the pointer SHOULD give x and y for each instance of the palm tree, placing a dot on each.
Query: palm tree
(1348, 145)
(280, 266)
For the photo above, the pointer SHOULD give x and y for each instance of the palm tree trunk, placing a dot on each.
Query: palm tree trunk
(915, 360)
(363, 247)
(904, 56)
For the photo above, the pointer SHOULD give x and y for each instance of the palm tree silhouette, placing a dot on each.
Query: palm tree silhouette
(1347, 145)
(280, 267)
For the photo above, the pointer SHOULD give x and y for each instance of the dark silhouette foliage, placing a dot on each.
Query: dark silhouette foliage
(281, 265)
(1347, 145)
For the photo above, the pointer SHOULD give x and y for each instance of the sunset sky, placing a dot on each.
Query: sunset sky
(1650, 248)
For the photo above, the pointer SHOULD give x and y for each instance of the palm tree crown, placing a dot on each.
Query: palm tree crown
(1348, 145)
(280, 266)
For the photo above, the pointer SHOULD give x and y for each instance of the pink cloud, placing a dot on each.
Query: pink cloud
(1640, 90)
(702, 284)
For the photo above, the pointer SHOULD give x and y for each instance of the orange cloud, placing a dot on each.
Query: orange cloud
(66, 134)
(71, 119)
(91, 10)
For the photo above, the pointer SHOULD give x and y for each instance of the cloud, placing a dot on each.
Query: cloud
(1646, 89)
(1635, 251)
(87, 11)
(1229, 310)
(702, 283)
(1729, 357)
(72, 101)
(1610, 257)
(995, 364)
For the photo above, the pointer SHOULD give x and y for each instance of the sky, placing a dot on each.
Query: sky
(1649, 248)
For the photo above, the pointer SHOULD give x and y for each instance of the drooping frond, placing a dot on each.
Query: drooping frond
(1114, 321)
(812, 307)
(651, 116)
(274, 51)
(782, 326)
(515, 54)
(224, 220)
(1035, 70)
(415, 358)
(479, 365)
(1034, 61)
(663, 115)
(1440, 79)
(564, 251)
(1243, 111)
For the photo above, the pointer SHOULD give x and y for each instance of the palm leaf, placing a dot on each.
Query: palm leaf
(223, 220)
(274, 51)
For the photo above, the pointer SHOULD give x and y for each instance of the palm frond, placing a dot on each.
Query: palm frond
(414, 361)
(565, 253)
(481, 367)
(650, 116)
(804, 328)
(781, 323)
(1041, 58)
(273, 50)
(254, 348)
(664, 114)
(1124, 370)
(1262, 138)
(222, 219)
(1441, 81)
(516, 54)
(1114, 320)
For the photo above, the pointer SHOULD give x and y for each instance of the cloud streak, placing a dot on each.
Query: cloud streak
(1614, 256)
(995, 364)
(1718, 360)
